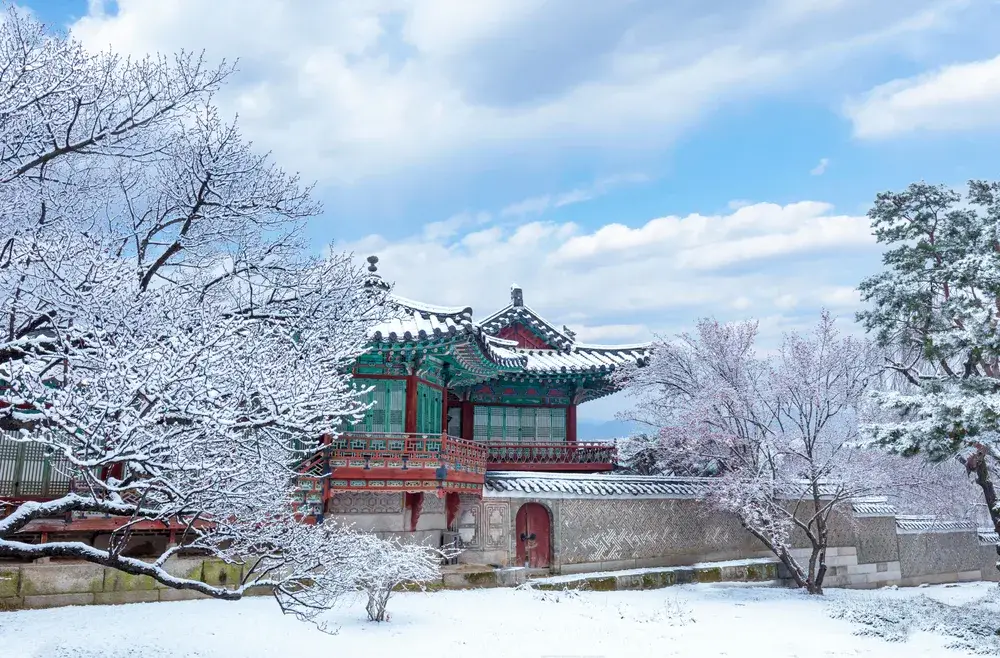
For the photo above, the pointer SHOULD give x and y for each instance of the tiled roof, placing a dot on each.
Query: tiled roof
(507, 483)
(524, 315)
(584, 358)
(988, 537)
(872, 507)
(914, 524)
(519, 483)
(413, 322)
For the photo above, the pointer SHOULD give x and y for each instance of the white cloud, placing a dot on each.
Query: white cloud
(840, 297)
(786, 302)
(617, 282)
(820, 168)
(540, 204)
(956, 97)
(449, 227)
(345, 89)
(612, 333)
(707, 242)
(650, 282)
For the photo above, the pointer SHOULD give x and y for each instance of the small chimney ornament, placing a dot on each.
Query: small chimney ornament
(516, 296)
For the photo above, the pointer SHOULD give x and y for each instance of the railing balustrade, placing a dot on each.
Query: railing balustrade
(563, 455)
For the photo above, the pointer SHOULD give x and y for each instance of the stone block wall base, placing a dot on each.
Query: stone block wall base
(763, 571)
(57, 600)
(118, 598)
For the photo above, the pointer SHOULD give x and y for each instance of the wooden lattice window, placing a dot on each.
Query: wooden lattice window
(28, 469)
(429, 401)
(388, 399)
(510, 424)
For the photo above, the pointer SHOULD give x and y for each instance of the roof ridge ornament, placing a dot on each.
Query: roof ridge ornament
(374, 279)
(516, 296)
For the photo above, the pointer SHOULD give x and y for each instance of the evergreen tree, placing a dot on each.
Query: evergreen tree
(935, 305)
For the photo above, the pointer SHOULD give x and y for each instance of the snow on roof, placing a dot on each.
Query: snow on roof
(508, 483)
(581, 358)
(525, 315)
(913, 524)
(872, 507)
(988, 537)
(414, 321)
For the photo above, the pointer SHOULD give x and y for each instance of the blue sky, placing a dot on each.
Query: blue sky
(632, 164)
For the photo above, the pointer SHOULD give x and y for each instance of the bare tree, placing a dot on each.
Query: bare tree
(393, 565)
(781, 429)
(166, 334)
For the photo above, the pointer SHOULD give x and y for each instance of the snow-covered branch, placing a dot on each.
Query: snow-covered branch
(936, 307)
(778, 432)
(167, 339)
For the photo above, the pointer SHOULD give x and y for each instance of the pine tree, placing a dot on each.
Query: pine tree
(935, 305)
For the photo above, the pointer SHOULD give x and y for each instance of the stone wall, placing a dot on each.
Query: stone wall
(385, 515)
(60, 583)
(602, 533)
(937, 557)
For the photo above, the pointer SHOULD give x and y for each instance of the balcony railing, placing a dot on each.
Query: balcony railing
(561, 456)
(433, 462)
(395, 462)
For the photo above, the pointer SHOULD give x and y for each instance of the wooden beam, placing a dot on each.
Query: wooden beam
(420, 474)
(444, 410)
(410, 420)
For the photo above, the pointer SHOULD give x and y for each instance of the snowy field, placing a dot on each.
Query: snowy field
(692, 620)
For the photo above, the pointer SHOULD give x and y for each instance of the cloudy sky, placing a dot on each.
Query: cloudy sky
(632, 164)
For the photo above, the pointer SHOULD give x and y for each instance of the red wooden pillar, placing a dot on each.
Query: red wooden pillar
(327, 440)
(571, 423)
(451, 505)
(414, 502)
(468, 421)
(410, 419)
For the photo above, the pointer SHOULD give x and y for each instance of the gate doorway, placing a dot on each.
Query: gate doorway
(532, 525)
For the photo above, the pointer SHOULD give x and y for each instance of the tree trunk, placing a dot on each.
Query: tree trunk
(978, 464)
(817, 569)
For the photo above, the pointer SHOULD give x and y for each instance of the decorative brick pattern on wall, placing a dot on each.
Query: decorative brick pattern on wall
(615, 529)
(875, 538)
(926, 553)
(366, 503)
(432, 504)
(496, 523)
(469, 512)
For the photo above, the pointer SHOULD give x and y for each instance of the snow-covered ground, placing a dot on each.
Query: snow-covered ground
(692, 620)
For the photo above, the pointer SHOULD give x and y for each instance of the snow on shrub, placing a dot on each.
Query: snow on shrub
(970, 627)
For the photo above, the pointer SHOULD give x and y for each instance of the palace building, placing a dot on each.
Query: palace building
(471, 440)
(456, 400)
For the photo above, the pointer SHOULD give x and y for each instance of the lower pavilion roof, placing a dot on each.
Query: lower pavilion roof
(519, 484)
(516, 483)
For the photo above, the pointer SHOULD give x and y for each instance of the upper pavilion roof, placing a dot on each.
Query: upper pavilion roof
(549, 352)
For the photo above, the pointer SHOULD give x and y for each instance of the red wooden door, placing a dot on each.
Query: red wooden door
(532, 526)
